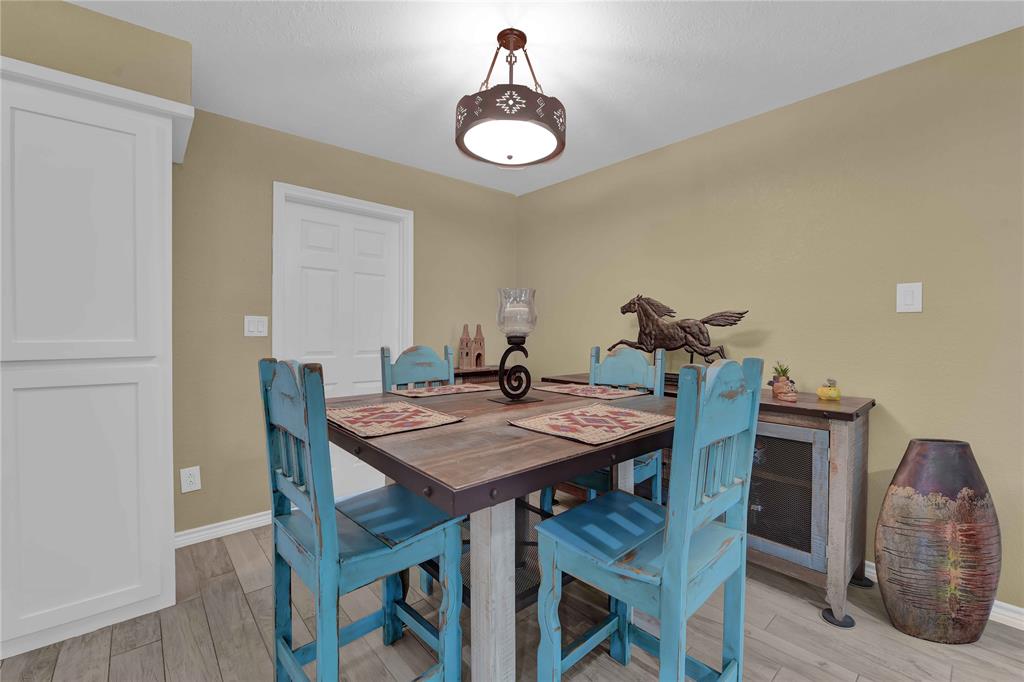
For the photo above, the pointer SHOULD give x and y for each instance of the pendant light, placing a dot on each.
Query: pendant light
(510, 125)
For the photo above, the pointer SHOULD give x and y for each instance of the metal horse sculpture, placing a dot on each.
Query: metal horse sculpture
(690, 335)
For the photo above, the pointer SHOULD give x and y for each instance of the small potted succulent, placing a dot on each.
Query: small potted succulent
(783, 388)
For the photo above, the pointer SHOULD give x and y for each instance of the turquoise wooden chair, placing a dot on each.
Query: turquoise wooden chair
(335, 549)
(416, 367)
(624, 368)
(665, 561)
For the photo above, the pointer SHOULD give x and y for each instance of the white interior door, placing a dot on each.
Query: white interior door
(340, 276)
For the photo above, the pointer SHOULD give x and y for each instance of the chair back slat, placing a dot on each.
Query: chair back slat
(416, 367)
(628, 367)
(298, 453)
(716, 420)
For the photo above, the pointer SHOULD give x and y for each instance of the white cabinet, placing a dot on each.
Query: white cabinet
(86, 472)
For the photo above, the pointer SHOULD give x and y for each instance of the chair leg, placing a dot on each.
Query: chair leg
(621, 644)
(732, 628)
(282, 611)
(426, 583)
(327, 624)
(392, 594)
(672, 646)
(656, 482)
(549, 651)
(449, 630)
(547, 500)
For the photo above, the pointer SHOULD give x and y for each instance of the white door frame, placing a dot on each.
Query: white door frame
(284, 192)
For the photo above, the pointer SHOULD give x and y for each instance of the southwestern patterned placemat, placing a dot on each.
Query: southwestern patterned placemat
(380, 420)
(594, 424)
(600, 392)
(427, 391)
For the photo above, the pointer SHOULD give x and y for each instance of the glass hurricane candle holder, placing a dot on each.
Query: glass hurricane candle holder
(517, 317)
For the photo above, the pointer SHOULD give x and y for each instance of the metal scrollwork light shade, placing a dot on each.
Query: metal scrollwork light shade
(510, 125)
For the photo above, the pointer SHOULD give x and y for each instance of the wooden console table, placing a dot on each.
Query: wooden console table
(840, 431)
(477, 375)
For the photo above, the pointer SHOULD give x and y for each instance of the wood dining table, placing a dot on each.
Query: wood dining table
(480, 466)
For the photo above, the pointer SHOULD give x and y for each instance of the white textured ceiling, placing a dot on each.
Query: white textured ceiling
(383, 78)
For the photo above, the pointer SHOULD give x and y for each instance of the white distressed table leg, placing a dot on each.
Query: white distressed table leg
(624, 476)
(624, 481)
(493, 614)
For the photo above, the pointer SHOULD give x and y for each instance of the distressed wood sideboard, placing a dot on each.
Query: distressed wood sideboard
(838, 432)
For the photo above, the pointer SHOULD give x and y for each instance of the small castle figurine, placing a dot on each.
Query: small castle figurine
(471, 350)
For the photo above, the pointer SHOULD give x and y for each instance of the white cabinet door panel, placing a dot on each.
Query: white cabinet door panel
(84, 494)
(84, 186)
(86, 472)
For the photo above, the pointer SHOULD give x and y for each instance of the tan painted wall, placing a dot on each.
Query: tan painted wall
(222, 256)
(76, 40)
(808, 216)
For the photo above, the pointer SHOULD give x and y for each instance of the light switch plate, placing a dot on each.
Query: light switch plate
(909, 297)
(255, 325)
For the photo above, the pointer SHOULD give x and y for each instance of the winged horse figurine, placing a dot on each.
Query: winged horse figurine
(690, 335)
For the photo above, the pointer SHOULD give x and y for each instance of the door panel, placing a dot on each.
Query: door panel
(341, 289)
(80, 502)
(79, 274)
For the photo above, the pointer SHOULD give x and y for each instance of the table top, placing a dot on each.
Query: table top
(849, 408)
(484, 460)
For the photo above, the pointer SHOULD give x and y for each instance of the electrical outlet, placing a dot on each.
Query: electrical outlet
(190, 479)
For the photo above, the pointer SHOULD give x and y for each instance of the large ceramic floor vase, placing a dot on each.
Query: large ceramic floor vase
(937, 548)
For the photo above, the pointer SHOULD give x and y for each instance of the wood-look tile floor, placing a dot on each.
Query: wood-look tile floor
(221, 629)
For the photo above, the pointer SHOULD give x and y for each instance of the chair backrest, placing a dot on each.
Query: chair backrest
(628, 367)
(712, 451)
(416, 367)
(298, 453)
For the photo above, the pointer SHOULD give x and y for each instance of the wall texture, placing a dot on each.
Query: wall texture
(73, 39)
(808, 216)
(222, 270)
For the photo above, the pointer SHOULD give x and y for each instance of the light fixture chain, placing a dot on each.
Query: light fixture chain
(487, 80)
(536, 83)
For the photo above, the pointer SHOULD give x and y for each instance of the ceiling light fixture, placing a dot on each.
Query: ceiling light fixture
(510, 125)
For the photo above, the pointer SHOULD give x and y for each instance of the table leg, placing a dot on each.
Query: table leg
(623, 475)
(522, 531)
(493, 614)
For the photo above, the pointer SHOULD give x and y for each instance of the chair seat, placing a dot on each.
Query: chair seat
(625, 534)
(353, 541)
(372, 522)
(392, 514)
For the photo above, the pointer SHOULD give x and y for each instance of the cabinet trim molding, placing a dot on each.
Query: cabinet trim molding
(180, 114)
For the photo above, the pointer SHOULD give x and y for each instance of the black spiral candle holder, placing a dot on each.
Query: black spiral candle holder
(514, 382)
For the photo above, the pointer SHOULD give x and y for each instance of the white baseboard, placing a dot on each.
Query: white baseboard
(1004, 613)
(219, 530)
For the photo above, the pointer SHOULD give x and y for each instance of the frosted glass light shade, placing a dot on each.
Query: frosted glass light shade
(510, 143)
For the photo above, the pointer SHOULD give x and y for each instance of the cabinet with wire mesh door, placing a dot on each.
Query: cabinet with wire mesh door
(788, 513)
(808, 495)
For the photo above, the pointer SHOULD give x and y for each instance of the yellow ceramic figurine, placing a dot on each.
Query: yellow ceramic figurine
(828, 390)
